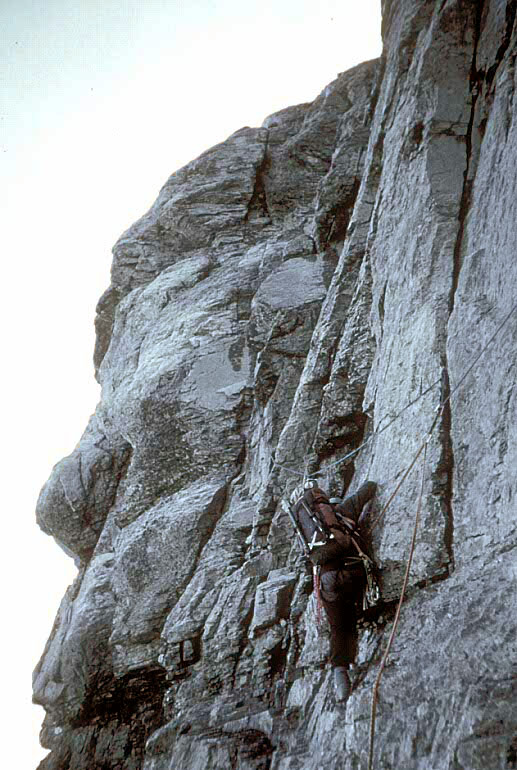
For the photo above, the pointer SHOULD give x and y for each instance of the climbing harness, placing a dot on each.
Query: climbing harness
(322, 536)
(372, 592)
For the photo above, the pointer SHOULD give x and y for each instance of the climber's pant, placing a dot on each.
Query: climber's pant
(341, 590)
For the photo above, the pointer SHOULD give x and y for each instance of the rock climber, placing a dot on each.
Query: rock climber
(330, 530)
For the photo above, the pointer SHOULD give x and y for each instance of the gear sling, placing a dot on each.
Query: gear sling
(326, 535)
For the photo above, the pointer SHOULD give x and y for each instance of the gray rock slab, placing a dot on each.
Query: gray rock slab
(308, 297)
(272, 601)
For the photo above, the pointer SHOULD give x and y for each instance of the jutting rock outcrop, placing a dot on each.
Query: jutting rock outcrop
(289, 293)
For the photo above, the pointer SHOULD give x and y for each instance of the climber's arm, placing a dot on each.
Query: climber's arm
(353, 505)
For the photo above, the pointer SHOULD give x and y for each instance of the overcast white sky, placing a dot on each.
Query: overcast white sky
(101, 100)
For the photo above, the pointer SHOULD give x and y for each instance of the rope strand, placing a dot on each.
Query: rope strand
(423, 448)
(399, 606)
(407, 406)
(406, 473)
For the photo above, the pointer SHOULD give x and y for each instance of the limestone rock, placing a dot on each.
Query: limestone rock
(311, 296)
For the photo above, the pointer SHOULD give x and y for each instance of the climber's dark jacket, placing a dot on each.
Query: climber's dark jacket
(342, 584)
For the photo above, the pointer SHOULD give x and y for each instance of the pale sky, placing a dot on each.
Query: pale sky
(100, 101)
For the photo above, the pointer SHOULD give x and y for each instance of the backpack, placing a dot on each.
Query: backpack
(326, 535)
(321, 535)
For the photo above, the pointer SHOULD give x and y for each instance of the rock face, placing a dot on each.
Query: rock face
(288, 294)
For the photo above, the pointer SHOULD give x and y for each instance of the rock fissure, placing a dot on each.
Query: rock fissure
(510, 14)
(445, 473)
(445, 468)
(258, 206)
(466, 191)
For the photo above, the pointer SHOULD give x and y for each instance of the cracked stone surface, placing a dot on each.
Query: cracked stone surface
(341, 277)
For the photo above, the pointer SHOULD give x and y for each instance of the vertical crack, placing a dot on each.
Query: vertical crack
(466, 193)
(445, 469)
(444, 475)
(258, 207)
(511, 12)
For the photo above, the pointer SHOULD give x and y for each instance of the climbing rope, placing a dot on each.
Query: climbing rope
(406, 473)
(439, 414)
(366, 442)
(373, 711)
(404, 408)
(422, 448)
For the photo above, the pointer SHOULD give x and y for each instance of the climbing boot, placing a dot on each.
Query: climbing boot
(342, 684)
